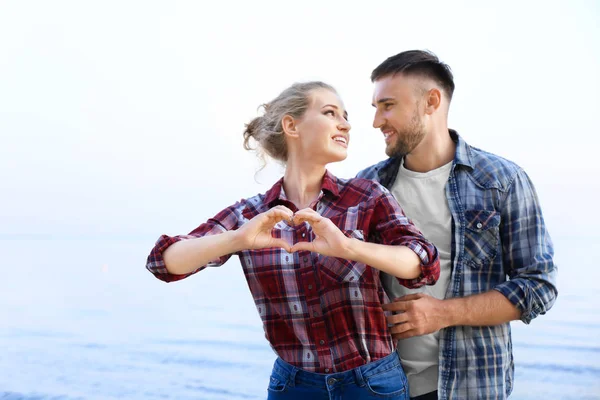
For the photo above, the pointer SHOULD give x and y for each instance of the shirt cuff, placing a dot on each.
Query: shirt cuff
(156, 263)
(430, 267)
(518, 297)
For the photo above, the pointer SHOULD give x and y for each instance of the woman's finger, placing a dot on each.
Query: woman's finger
(302, 246)
(305, 216)
(277, 214)
(308, 211)
(284, 208)
(283, 244)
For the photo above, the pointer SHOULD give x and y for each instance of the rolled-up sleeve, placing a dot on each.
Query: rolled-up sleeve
(527, 252)
(393, 227)
(227, 219)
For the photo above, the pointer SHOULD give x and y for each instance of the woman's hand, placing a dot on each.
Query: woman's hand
(257, 233)
(329, 240)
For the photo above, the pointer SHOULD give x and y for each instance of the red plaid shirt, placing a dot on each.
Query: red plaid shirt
(321, 314)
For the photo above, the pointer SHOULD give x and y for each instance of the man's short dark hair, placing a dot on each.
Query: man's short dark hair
(417, 63)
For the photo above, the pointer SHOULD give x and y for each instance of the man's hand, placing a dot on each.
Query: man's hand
(415, 315)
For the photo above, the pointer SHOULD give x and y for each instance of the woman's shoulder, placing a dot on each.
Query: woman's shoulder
(250, 207)
(259, 202)
(362, 190)
(364, 184)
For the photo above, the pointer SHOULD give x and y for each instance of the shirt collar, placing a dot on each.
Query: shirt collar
(462, 156)
(276, 193)
(330, 184)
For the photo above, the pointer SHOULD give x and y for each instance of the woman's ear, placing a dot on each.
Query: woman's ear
(290, 128)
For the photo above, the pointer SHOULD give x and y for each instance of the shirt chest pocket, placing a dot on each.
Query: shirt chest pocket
(482, 237)
(333, 270)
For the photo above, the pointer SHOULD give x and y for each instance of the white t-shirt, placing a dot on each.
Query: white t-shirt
(422, 196)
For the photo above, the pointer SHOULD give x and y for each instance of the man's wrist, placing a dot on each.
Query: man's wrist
(452, 311)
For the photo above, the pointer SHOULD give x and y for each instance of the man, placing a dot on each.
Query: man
(482, 213)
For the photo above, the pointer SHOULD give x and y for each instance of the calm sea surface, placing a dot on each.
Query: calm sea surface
(83, 319)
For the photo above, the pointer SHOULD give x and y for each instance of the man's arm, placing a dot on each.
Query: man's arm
(527, 251)
(528, 261)
(421, 314)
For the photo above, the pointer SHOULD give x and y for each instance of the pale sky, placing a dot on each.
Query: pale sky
(126, 117)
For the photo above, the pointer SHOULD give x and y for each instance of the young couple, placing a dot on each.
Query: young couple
(322, 255)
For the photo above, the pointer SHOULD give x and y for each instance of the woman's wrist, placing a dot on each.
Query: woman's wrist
(349, 249)
(237, 240)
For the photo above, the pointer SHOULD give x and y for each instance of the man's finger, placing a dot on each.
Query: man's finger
(407, 297)
(405, 335)
(400, 328)
(396, 306)
(397, 318)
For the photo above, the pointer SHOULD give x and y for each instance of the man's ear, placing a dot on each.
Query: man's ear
(434, 100)
(290, 128)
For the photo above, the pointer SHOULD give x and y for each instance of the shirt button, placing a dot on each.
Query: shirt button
(479, 225)
(321, 342)
(316, 314)
(304, 235)
(326, 370)
(309, 287)
(305, 259)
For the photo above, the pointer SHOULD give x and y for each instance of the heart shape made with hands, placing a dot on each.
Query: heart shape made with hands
(288, 236)
(328, 239)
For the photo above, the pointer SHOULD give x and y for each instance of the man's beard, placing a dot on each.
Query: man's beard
(408, 138)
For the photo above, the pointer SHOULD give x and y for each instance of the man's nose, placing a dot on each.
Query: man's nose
(378, 120)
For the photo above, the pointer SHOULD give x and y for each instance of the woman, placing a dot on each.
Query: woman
(311, 249)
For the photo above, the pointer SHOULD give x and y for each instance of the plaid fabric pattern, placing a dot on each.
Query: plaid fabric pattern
(321, 314)
(499, 242)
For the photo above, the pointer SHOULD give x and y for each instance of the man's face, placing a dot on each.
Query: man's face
(398, 113)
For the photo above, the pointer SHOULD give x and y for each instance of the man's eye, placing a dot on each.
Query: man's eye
(387, 106)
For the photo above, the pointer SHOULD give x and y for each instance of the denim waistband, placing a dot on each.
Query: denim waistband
(294, 375)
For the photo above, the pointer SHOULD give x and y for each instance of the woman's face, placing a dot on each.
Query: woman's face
(323, 131)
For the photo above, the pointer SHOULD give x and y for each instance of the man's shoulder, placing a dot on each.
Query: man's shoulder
(491, 170)
(372, 172)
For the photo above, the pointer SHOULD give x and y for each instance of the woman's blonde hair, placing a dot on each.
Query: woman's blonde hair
(267, 129)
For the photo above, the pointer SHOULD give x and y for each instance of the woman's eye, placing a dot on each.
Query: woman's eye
(329, 112)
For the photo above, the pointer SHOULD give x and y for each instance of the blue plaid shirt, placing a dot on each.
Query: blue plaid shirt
(499, 242)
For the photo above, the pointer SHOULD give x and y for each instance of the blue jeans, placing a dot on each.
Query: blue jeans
(381, 379)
